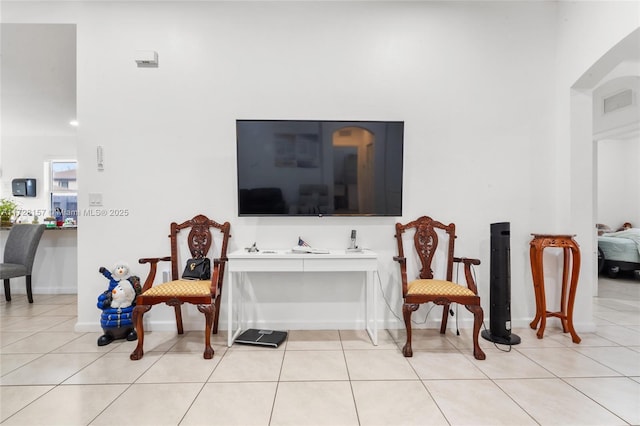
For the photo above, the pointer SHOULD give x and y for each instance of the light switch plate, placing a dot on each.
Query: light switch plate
(95, 199)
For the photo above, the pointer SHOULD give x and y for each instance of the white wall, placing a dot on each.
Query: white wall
(619, 182)
(477, 85)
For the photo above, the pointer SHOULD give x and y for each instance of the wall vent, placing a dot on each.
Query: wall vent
(617, 101)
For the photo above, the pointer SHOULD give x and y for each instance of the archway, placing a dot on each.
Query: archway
(353, 149)
(584, 191)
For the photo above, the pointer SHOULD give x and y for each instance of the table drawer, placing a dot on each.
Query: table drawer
(265, 264)
(340, 264)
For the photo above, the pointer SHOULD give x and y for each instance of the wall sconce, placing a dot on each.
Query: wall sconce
(146, 59)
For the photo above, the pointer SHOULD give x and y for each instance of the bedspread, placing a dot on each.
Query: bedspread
(631, 234)
(622, 246)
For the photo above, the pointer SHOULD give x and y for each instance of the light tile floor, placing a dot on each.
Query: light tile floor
(51, 375)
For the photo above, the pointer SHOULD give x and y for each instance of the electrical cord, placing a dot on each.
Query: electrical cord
(473, 272)
(386, 301)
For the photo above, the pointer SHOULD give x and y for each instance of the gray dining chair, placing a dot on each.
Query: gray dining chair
(19, 254)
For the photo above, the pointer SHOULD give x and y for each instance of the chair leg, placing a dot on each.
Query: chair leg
(138, 314)
(407, 309)
(478, 317)
(216, 314)
(445, 318)
(7, 290)
(178, 309)
(29, 293)
(207, 310)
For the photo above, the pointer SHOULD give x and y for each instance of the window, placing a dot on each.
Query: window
(64, 188)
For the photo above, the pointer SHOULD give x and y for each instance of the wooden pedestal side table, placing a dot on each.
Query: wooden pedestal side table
(571, 255)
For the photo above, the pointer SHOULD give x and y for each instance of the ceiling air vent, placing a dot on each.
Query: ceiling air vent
(617, 101)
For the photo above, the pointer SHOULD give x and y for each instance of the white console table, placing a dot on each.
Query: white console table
(242, 262)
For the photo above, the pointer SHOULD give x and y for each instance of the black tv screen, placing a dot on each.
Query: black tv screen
(319, 168)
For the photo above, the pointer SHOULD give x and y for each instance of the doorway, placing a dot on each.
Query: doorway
(621, 58)
(353, 149)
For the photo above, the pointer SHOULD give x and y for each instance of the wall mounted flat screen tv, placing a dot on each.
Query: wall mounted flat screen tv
(319, 168)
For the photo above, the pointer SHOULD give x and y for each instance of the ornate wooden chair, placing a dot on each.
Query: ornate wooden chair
(427, 254)
(206, 294)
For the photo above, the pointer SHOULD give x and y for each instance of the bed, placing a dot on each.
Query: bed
(619, 251)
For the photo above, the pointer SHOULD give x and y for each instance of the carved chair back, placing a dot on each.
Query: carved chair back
(428, 247)
(199, 242)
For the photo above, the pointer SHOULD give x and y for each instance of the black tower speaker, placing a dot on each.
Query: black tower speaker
(500, 287)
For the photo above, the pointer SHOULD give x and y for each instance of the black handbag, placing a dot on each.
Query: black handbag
(197, 269)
